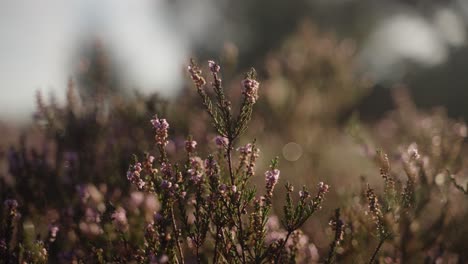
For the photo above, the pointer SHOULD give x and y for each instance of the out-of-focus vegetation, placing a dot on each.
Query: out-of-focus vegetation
(399, 181)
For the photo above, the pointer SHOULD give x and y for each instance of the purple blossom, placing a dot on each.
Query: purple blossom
(221, 141)
(195, 74)
(304, 194)
(157, 217)
(53, 230)
(166, 184)
(222, 188)
(119, 219)
(195, 170)
(214, 67)
(133, 175)
(166, 169)
(271, 179)
(12, 204)
(190, 145)
(323, 188)
(210, 167)
(250, 89)
(161, 127)
(272, 176)
(245, 150)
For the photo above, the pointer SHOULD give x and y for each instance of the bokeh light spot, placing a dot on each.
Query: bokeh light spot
(292, 151)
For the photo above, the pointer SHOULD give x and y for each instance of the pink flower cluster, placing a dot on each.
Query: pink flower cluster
(271, 179)
(196, 169)
(210, 167)
(195, 74)
(166, 169)
(214, 67)
(190, 145)
(11, 204)
(133, 175)
(248, 157)
(250, 90)
(245, 150)
(161, 127)
(322, 190)
(221, 141)
(53, 230)
(119, 219)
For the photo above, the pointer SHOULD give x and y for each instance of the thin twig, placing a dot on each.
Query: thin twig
(280, 248)
(239, 214)
(377, 249)
(176, 234)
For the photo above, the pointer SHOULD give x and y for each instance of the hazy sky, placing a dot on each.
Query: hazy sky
(151, 43)
(38, 40)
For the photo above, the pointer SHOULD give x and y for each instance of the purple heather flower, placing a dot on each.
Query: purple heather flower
(195, 171)
(323, 188)
(304, 194)
(221, 141)
(161, 127)
(245, 150)
(12, 204)
(250, 89)
(190, 145)
(272, 177)
(214, 67)
(157, 217)
(119, 219)
(222, 188)
(133, 175)
(53, 230)
(166, 169)
(195, 74)
(166, 184)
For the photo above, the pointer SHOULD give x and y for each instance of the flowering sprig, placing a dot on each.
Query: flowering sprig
(296, 216)
(271, 179)
(378, 218)
(211, 197)
(161, 126)
(190, 145)
(389, 181)
(222, 118)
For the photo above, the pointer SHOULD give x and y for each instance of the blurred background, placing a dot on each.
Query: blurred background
(147, 43)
